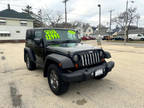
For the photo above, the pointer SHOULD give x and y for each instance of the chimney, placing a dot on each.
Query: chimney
(8, 6)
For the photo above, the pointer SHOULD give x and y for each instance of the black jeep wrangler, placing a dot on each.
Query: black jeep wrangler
(63, 58)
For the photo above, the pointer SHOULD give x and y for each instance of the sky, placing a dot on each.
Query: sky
(80, 10)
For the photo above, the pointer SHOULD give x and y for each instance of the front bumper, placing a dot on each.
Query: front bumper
(86, 73)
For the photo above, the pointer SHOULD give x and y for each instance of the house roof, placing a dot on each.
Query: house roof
(10, 13)
(94, 28)
(85, 28)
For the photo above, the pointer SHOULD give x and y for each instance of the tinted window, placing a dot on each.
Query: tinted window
(38, 34)
(30, 34)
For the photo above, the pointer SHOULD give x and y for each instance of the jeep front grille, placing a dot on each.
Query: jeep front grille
(89, 59)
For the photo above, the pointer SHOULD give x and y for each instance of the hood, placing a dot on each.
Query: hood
(70, 48)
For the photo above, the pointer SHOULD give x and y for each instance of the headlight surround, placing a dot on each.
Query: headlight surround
(101, 53)
(75, 58)
(107, 55)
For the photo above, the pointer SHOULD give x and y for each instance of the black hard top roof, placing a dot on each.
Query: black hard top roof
(45, 28)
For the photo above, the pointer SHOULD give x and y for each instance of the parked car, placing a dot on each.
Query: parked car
(136, 37)
(91, 37)
(107, 38)
(118, 38)
(63, 58)
(85, 38)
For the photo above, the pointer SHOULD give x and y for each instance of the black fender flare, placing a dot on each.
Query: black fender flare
(107, 54)
(65, 62)
(30, 53)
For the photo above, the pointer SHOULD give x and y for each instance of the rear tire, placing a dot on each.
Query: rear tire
(29, 63)
(57, 85)
(130, 39)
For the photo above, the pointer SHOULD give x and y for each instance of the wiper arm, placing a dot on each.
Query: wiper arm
(53, 42)
(67, 41)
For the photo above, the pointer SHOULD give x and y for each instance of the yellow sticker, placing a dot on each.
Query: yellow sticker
(51, 34)
(72, 32)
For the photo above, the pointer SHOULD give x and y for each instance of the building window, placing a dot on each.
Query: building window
(23, 23)
(2, 22)
(17, 31)
(89, 30)
(5, 34)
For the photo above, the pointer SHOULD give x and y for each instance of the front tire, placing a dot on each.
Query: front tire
(57, 85)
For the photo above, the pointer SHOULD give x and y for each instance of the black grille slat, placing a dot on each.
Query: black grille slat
(85, 58)
(82, 58)
(91, 59)
(95, 57)
(87, 55)
(98, 57)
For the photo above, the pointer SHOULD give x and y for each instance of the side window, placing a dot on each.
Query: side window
(38, 34)
(139, 35)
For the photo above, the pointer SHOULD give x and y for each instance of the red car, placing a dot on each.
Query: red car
(85, 38)
(88, 38)
(92, 38)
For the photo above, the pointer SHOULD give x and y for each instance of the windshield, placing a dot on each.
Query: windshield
(60, 35)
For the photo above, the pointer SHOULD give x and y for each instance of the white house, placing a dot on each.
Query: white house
(86, 31)
(13, 25)
(81, 31)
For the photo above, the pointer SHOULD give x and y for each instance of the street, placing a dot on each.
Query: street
(122, 88)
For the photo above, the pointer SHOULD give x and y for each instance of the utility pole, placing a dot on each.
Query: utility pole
(138, 17)
(110, 19)
(98, 39)
(65, 2)
(99, 19)
(126, 21)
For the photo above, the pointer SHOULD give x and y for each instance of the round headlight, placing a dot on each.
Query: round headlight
(76, 58)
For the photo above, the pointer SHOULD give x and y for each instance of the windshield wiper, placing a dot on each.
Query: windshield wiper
(69, 41)
(54, 42)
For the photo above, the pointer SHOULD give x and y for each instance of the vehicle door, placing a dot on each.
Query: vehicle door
(38, 46)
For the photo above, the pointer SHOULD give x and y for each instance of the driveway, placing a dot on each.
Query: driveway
(122, 88)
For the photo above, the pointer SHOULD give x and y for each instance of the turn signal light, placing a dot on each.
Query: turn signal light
(102, 59)
(60, 65)
(76, 66)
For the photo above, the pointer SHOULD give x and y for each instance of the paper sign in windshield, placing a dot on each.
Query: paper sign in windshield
(72, 32)
(51, 34)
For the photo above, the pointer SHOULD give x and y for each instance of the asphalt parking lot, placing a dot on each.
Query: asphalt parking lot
(122, 88)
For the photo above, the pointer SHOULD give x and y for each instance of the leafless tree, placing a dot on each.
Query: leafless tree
(131, 16)
(28, 9)
(52, 18)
